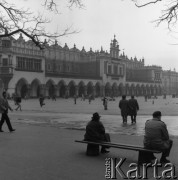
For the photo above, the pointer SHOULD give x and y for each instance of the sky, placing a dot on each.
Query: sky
(100, 20)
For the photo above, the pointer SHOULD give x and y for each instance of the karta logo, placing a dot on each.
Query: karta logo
(114, 168)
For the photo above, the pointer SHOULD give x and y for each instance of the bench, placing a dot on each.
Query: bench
(143, 156)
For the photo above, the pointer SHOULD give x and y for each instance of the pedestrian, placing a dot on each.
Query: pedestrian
(41, 100)
(4, 106)
(53, 97)
(75, 99)
(105, 103)
(89, 98)
(83, 97)
(123, 105)
(133, 108)
(95, 131)
(18, 103)
(157, 136)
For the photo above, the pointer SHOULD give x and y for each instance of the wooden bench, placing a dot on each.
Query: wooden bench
(143, 156)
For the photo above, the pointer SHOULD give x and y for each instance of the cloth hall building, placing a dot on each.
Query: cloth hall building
(27, 71)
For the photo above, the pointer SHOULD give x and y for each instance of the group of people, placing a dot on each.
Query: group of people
(156, 135)
(128, 108)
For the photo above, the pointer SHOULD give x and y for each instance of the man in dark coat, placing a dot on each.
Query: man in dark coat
(4, 106)
(123, 105)
(157, 137)
(133, 108)
(95, 131)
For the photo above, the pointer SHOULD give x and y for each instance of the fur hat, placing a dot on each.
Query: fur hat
(96, 116)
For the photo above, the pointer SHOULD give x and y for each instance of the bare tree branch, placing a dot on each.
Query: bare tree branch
(14, 20)
(168, 15)
(148, 3)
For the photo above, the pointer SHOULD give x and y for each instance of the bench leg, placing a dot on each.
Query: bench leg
(92, 150)
(144, 157)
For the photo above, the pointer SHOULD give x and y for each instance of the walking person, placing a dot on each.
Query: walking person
(18, 103)
(89, 98)
(53, 97)
(4, 106)
(75, 99)
(41, 100)
(123, 105)
(105, 103)
(133, 108)
(157, 136)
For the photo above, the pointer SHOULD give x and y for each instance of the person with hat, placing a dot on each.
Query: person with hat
(157, 136)
(133, 107)
(95, 131)
(123, 105)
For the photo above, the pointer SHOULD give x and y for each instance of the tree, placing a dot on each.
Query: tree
(14, 20)
(168, 14)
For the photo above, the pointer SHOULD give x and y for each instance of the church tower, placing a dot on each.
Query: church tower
(114, 48)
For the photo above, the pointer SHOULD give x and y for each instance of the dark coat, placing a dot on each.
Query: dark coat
(156, 134)
(4, 105)
(123, 105)
(95, 131)
(133, 107)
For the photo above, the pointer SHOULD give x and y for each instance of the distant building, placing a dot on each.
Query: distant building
(27, 71)
(170, 82)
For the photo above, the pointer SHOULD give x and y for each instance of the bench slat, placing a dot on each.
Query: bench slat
(121, 146)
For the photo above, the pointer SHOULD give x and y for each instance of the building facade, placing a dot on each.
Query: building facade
(26, 70)
(170, 82)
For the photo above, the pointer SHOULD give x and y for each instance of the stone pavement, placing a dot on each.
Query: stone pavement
(47, 153)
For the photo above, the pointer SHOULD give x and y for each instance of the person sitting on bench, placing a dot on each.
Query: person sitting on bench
(95, 132)
(157, 137)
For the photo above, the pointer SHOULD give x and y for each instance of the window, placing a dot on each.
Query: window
(59, 68)
(77, 69)
(20, 63)
(28, 64)
(6, 44)
(109, 69)
(115, 69)
(121, 73)
(48, 67)
(37, 65)
(4, 61)
(68, 68)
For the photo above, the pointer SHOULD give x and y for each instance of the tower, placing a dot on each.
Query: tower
(114, 48)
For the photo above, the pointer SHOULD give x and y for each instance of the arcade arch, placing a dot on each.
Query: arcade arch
(62, 89)
(72, 90)
(138, 90)
(81, 89)
(97, 89)
(22, 89)
(107, 89)
(132, 89)
(90, 88)
(50, 88)
(127, 90)
(120, 89)
(35, 88)
(114, 90)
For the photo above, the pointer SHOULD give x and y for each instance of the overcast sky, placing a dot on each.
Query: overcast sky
(137, 35)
